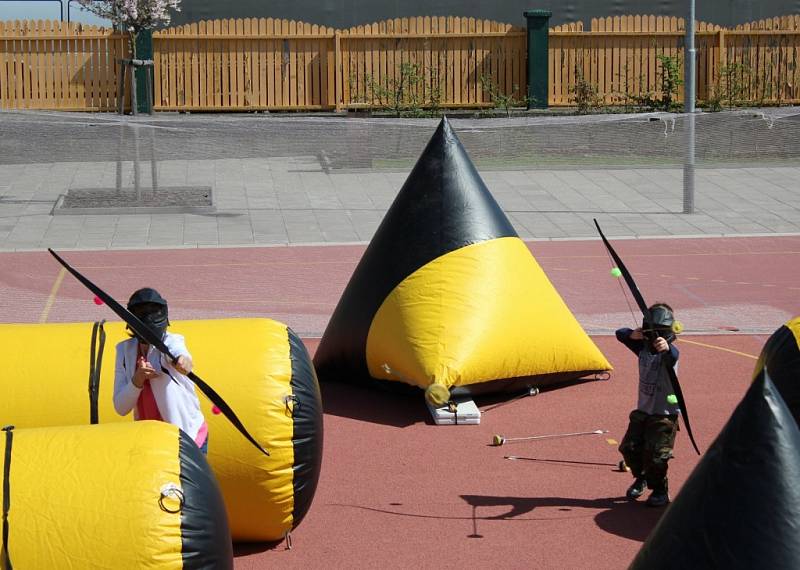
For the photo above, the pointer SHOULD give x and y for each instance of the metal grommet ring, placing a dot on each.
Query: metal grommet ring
(171, 491)
(291, 402)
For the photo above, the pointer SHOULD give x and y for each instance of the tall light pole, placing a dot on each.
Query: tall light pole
(689, 94)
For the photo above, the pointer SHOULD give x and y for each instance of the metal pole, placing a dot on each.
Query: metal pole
(153, 163)
(690, 85)
(136, 178)
(689, 95)
(119, 156)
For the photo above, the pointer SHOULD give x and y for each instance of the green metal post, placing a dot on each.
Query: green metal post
(144, 50)
(538, 41)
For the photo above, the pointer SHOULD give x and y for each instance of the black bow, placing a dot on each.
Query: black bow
(651, 333)
(147, 334)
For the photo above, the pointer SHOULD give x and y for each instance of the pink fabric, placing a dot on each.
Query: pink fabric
(146, 406)
(202, 434)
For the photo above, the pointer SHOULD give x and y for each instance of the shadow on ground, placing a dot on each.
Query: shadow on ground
(620, 516)
(249, 548)
(379, 406)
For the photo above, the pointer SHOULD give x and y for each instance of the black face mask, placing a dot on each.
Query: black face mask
(156, 320)
(662, 321)
(665, 333)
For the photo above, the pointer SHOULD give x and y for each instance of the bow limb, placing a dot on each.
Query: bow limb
(144, 332)
(676, 387)
(637, 295)
(648, 318)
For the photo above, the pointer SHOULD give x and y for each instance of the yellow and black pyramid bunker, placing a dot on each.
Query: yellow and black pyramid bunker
(447, 297)
(781, 355)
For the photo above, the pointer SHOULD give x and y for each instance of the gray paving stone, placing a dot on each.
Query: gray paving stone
(320, 189)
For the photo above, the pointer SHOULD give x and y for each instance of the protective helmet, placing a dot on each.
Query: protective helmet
(151, 308)
(662, 321)
(146, 295)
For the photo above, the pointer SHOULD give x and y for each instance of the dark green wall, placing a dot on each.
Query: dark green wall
(345, 13)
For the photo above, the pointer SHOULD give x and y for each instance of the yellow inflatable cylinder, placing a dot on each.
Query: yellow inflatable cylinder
(115, 496)
(259, 366)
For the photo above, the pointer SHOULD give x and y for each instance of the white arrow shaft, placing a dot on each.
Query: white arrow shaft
(595, 432)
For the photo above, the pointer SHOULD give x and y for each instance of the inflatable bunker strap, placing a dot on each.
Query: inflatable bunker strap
(112, 496)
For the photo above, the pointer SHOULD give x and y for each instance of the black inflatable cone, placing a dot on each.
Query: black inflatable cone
(443, 206)
(781, 356)
(740, 507)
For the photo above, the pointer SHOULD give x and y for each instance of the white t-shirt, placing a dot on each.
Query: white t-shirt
(174, 393)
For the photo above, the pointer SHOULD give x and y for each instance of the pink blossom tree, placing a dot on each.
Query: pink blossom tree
(133, 16)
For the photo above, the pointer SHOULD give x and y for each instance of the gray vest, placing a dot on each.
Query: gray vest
(654, 385)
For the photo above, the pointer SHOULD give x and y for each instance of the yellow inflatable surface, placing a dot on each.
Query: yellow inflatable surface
(495, 285)
(114, 496)
(781, 357)
(259, 366)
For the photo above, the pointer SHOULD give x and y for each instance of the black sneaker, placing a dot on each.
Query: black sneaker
(658, 499)
(636, 490)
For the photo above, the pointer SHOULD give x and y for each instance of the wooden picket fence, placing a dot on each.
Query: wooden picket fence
(447, 62)
(57, 65)
(620, 57)
(244, 64)
(251, 64)
(440, 61)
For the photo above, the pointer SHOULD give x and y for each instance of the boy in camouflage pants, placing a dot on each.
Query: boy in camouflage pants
(650, 437)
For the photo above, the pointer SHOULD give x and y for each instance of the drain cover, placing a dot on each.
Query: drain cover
(167, 200)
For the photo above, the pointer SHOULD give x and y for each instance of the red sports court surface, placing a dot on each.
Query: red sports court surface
(397, 491)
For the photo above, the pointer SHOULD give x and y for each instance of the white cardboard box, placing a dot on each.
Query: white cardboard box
(465, 412)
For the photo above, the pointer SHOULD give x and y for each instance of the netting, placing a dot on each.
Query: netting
(622, 164)
(732, 138)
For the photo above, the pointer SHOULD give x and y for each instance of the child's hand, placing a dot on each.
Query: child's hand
(182, 364)
(144, 372)
(637, 334)
(660, 345)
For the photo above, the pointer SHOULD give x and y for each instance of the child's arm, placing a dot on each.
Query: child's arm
(183, 359)
(633, 339)
(661, 345)
(183, 364)
(125, 391)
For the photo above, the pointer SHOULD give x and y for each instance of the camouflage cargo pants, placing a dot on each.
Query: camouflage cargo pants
(647, 447)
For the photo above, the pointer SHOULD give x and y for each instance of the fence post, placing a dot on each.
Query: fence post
(144, 51)
(538, 42)
(337, 62)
